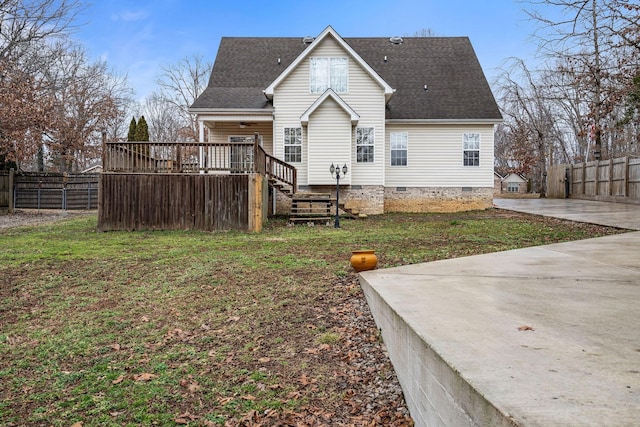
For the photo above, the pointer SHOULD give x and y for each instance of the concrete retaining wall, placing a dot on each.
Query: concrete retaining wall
(435, 393)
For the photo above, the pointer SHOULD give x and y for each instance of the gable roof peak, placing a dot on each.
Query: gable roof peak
(329, 32)
(329, 93)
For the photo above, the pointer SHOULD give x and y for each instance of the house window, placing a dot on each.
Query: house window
(513, 187)
(399, 142)
(328, 73)
(293, 145)
(364, 145)
(471, 149)
(241, 153)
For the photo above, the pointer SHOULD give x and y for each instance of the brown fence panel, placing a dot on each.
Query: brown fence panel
(614, 180)
(176, 202)
(556, 182)
(56, 191)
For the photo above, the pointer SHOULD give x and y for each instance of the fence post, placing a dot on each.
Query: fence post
(12, 173)
(104, 151)
(610, 177)
(625, 184)
(65, 180)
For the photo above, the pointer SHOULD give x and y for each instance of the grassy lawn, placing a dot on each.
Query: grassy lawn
(166, 328)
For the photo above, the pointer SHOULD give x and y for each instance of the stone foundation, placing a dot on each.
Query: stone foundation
(376, 200)
(366, 199)
(437, 199)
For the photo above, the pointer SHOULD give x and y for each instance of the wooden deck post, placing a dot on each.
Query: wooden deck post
(104, 150)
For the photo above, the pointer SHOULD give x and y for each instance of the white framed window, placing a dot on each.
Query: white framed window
(513, 187)
(471, 149)
(365, 145)
(399, 142)
(328, 72)
(293, 145)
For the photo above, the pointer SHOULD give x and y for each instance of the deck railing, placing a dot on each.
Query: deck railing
(195, 157)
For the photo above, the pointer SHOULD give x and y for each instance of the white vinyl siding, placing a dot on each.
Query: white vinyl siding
(328, 141)
(435, 157)
(222, 131)
(292, 98)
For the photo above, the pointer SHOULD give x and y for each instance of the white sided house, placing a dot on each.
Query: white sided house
(412, 118)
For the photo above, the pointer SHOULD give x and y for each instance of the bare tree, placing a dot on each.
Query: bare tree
(164, 122)
(531, 126)
(425, 32)
(88, 99)
(27, 29)
(593, 41)
(26, 23)
(180, 85)
(25, 108)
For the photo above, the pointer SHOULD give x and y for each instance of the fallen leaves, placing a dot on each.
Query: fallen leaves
(144, 377)
(118, 380)
(185, 418)
(190, 384)
(525, 328)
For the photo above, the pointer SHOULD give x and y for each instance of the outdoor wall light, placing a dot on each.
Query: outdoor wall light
(336, 173)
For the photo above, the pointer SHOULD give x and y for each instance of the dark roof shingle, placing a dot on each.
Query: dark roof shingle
(457, 87)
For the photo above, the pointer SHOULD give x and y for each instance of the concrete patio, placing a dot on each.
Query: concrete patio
(542, 336)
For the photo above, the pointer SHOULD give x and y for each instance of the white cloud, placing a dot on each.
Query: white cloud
(129, 15)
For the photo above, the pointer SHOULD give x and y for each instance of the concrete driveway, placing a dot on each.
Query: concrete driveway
(541, 336)
(602, 213)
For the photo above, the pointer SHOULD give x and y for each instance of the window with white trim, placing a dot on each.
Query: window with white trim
(513, 187)
(471, 149)
(293, 145)
(365, 145)
(399, 142)
(327, 73)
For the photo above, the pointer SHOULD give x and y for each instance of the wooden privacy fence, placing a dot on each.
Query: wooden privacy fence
(55, 191)
(182, 202)
(616, 180)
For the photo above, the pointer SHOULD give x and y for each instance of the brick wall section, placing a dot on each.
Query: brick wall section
(375, 200)
(368, 199)
(438, 199)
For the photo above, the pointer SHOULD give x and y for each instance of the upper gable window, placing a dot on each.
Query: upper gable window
(329, 73)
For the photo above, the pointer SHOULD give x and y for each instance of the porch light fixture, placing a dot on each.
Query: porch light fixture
(336, 172)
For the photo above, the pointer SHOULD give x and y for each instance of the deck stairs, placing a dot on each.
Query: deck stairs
(312, 207)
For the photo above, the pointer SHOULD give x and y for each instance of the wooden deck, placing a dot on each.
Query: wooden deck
(188, 185)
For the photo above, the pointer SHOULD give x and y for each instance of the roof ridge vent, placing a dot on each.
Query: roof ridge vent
(396, 40)
(308, 39)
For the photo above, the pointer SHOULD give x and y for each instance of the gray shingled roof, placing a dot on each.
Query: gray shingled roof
(457, 87)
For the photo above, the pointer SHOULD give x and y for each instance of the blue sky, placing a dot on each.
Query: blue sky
(138, 37)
